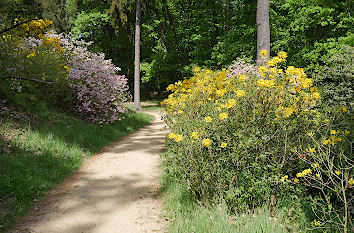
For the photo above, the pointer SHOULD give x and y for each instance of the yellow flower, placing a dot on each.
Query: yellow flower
(208, 119)
(344, 109)
(311, 150)
(265, 83)
(282, 54)
(171, 87)
(223, 145)
(196, 69)
(223, 116)
(263, 52)
(296, 180)
(180, 111)
(304, 173)
(306, 83)
(284, 178)
(316, 223)
(326, 142)
(351, 181)
(31, 55)
(307, 172)
(243, 77)
(315, 165)
(318, 175)
(178, 138)
(230, 103)
(221, 92)
(316, 95)
(337, 172)
(333, 131)
(67, 68)
(195, 135)
(171, 135)
(240, 93)
(206, 142)
(262, 69)
(271, 63)
(274, 70)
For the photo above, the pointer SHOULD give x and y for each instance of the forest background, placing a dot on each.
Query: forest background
(178, 35)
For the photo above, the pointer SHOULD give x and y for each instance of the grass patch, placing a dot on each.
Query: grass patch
(36, 157)
(186, 215)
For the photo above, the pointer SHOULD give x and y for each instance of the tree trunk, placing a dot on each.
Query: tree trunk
(263, 28)
(137, 57)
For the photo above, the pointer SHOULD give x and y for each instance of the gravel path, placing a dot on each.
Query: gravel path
(114, 191)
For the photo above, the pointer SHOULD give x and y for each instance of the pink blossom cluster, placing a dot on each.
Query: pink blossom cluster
(240, 66)
(99, 89)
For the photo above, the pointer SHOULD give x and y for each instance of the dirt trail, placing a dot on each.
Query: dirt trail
(115, 191)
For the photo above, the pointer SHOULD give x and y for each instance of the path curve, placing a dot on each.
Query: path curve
(114, 191)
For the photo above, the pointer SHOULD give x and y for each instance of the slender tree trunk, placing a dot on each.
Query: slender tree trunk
(137, 57)
(263, 28)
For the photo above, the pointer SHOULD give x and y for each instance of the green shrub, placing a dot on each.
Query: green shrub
(336, 80)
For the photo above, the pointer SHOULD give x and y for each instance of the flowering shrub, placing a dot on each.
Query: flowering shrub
(236, 132)
(329, 164)
(96, 89)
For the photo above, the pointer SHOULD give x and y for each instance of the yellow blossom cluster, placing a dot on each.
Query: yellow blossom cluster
(351, 181)
(265, 83)
(223, 116)
(49, 45)
(304, 173)
(284, 178)
(206, 142)
(317, 223)
(176, 137)
(36, 26)
(332, 140)
(271, 91)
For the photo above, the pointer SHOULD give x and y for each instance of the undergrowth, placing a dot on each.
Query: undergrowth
(186, 215)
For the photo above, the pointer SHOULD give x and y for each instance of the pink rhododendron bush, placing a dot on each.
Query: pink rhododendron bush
(99, 89)
(63, 71)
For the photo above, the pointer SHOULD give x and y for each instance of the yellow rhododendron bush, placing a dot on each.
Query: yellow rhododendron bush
(236, 133)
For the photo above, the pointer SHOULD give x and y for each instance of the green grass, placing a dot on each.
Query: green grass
(185, 215)
(35, 157)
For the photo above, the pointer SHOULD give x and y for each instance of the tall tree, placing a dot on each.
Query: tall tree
(137, 57)
(263, 28)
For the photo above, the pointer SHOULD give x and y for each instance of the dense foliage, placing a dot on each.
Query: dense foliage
(241, 134)
(178, 33)
(337, 78)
